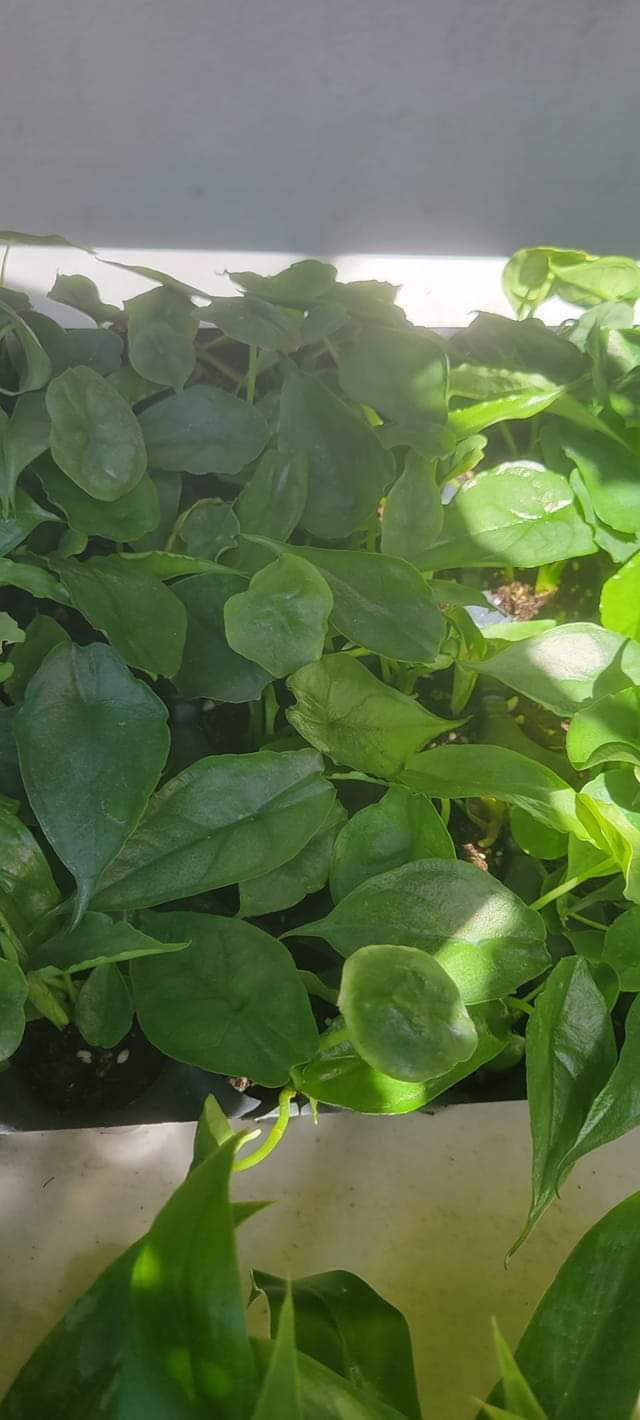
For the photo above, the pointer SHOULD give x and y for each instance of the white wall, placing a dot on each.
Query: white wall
(424, 126)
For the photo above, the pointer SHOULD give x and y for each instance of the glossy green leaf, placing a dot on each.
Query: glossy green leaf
(413, 512)
(622, 948)
(209, 667)
(536, 838)
(216, 819)
(298, 285)
(474, 771)
(144, 620)
(517, 513)
(82, 294)
(27, 889)
(337, 1075)
(22, 438)
(608, 729)
(162, 326)
(564, 668)
(281, 620)
(342, 1323)
(620, 600)
(616, 1109)
(42, 634)
(206, 1005)
(609, 806)
(571, 1052)
(479, 931)
(307, 872)
(280, 1392)
(517, 1391)
(13, 995)
(380, 602)
(168, 566)
(203, 430)
(104, 1009)
(610, 474)
(124, 520)
(273, 500)
(208, 528)
(346, 712)
(95, 439)
(33, 578)
(523, 404)
(401, 373)
(596, 278)
(254, 321)
(566, 1352)
(348, 468)
(30, 361)
(92, 742)
(403, 1012)
(402, 828)
(97, 941)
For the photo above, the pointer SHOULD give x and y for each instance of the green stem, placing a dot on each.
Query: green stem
(608, 866)
(330, 348)
(331, 1038)
(221, 365)
(509, 440)
(251, 373)
(270, 708)
(587, 921)
(275, 1134)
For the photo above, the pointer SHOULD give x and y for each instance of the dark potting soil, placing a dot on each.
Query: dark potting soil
(69, 1076)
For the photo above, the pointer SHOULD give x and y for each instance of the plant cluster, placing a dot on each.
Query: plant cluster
(268, 785)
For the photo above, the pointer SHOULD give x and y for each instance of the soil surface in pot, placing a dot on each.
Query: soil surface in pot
(68, 1075)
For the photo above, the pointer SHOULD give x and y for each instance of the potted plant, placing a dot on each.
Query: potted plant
(275, 805)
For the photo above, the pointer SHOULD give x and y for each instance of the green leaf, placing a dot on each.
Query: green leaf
(82, 294)
(479, 931)
(616, 1109)
(22, 438)
(26, 516)
(31, 362)
(523, 404)
(402, 828)
(98, 350)
(168, 566)
(203, 430)
(208, 528)
(622, 948)
(221, 816)
(403, 1012)
(92, 742)
(596, 278)
(273, 500)
(536, 838)
(306, 873)
(254, 321)
(571, 1052)
(30, 577)
(104, 1010)
(209, 667)
(298, 285)
(337, 1075)
(620, 600)
(475, 771)
(610, 474)
(342, 1323)
(98, 941)
(566, 1352)
(610, 810)
(608, 729)
(95, 439)
(206, 1005)
(144, 620)
(521, 345)
(13, 995)
(27, 889)
(187, 1309)
(401, 373)
(162, 328)
(348, 468)
(517, 513)
(380, 602)
(125, 520)
(42, 634)
(280, 1391)
(131, 385)
(281, 620)
(517, 1391)
(413, 512)
(346, 712)
(566, 667)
